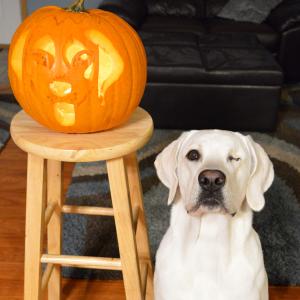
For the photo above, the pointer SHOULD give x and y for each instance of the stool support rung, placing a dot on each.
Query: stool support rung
(144, 274)
(135, 216)
(46, 275)
(86, 262)
(88, 210)
(49, 212)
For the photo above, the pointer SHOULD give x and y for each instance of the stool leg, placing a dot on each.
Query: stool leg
(124, 225)
(35, 208)
(54, 196)
(142, 239)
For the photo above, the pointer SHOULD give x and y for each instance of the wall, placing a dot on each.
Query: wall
(10, 18)
(34, 4)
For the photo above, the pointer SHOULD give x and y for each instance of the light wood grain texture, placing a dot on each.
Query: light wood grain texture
(35, 207)
(135, 216)
(136, 196)
(34, 138)
(54, 198)
(144, 275)
(124, 226)
(46, 276)
(49, 212)
(12, 220)
(104, 263)
(88, 210)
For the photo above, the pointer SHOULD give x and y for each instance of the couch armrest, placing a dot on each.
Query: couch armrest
(132, 11)
(285, 16)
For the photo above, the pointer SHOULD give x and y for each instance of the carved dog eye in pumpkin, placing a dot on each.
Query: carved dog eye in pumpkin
(77, 55)
(43, 58)
(44, 51)
(83, 58)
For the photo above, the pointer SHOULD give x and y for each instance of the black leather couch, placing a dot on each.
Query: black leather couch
(204, 71)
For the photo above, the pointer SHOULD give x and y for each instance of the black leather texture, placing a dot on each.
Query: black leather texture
(264, 32)
(227, 81)
(198, 106)
(172, 24)
(209, 59)
(132, 11)
(289, 55)
(285, 16)
(186, 8)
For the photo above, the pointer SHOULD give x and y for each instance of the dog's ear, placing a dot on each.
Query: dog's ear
(166, 166)
(262, 175)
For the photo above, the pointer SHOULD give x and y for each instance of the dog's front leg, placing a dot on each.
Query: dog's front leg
(264, 295)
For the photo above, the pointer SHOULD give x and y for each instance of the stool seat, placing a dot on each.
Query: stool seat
(36, 139)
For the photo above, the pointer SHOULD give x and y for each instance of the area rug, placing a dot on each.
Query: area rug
(8, 108)
(3, 67)
(278, 224)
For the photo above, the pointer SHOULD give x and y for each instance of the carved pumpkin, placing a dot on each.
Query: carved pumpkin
(77, 71)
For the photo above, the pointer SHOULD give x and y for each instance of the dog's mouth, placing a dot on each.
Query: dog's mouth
(207, 203)
(199, 209)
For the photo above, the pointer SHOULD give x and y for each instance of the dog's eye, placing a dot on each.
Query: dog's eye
(193, 155)
(231, 158)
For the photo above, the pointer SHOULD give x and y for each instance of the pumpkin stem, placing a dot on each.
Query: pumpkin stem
(77, 6)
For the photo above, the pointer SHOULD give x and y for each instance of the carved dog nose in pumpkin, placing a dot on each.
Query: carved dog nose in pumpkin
(60, 88)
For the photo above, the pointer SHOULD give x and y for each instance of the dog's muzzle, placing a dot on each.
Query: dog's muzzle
(211, 183)
(211, 195)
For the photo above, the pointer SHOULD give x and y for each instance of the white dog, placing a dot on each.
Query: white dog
(211, 251)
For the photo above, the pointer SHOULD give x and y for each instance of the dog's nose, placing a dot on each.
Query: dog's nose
(212, 180)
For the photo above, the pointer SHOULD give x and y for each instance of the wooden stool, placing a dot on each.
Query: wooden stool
(44, 205)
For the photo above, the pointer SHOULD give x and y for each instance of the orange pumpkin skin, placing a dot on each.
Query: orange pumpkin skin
(77, 72)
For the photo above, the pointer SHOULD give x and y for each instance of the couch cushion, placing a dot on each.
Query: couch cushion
(189, 58)
(254, 66)
(172, 24)
(265, 34)
(229, 40)
(168, 38)
(173, 57)
(183, 8)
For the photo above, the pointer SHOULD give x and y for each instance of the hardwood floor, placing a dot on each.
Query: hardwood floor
(12, 216)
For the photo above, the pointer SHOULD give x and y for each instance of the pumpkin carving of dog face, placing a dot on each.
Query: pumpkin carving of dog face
(77, 72)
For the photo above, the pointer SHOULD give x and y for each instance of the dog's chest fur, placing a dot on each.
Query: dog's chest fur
(215, 257)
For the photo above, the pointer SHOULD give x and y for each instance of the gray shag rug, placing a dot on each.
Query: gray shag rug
(8, 108)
